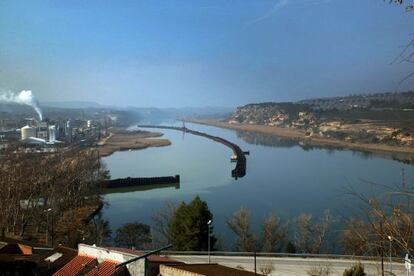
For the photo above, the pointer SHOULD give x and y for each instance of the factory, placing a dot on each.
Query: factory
(40, 133)
(52, 133)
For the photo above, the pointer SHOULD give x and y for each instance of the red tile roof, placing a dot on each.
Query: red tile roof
(78, 265)
(106, 268)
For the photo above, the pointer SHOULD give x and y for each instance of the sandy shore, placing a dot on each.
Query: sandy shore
(299, 135)
(121, 140)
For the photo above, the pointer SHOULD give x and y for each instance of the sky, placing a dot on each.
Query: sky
(201, 52)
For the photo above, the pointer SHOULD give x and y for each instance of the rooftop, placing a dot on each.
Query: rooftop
(209, 270)
(77, 266)
(151, 258)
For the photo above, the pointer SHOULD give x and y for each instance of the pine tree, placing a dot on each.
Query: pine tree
(189, 228)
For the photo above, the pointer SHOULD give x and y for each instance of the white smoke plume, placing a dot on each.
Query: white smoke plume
(24, 97)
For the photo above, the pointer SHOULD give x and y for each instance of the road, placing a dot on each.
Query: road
(287, 266)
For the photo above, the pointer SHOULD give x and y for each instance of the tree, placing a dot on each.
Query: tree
(389, 218)
(39, 189)
(385, 220)
(189, 229)
(273, 234)
(133, 234)
(354, 238)
(162, 224)
(98, 231)
(240, 224)
(71, 227)
(309, 235)
(290, 248)
(409, 5)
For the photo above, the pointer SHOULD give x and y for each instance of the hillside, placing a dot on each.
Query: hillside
(386, 118)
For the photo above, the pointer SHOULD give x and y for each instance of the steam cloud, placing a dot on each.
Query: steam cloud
(24, 97)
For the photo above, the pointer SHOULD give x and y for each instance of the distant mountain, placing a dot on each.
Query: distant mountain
(162, 114)
(74, 104)
(12, 110)
(199, 111)
(147, 111)
(143, 114)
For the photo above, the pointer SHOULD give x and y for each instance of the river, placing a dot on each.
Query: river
(282, 177)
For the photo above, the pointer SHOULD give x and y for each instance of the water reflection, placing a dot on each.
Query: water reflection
(265, 139)
(140, 188)
(284, 177)
(269, 140)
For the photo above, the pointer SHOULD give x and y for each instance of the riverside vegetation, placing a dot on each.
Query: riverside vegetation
(52, 198)
(389, 214)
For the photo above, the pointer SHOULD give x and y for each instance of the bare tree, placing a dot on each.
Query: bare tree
(355, 237)
(240, 224)
(389, 218)
(38, 188)
(408, 5)
(273, 234)
(309, 235)
(162, 223)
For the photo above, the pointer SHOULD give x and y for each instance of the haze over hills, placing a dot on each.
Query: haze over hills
(142, 114)
(375, 101)
(74, 104)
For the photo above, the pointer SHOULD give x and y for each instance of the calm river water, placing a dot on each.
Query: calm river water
(282, 177)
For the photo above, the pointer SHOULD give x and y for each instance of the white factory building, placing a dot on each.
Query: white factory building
(42, 134)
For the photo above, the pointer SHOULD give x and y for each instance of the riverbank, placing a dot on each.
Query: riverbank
(123, 140)
(300, 135)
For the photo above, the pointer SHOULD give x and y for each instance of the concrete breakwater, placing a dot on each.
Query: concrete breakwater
(139, 181)
(238, 171)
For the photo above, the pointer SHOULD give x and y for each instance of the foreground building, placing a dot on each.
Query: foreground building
(25, 258)
(93, 260)
(202, 270)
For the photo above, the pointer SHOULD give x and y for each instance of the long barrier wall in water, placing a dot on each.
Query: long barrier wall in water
(139, 181)
(239, 170)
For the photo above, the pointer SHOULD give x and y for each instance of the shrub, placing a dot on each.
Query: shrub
(320, 270)
(356, 270)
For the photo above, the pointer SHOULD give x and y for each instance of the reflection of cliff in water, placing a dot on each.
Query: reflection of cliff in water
(265, 139)
(274, 141)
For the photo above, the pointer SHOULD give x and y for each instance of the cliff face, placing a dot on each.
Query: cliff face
(274, 114)
(342, 119)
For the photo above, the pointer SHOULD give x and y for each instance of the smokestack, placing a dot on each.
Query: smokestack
(25, 97)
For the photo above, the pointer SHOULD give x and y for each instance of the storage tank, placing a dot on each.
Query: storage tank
(28, 131)
(52, 133)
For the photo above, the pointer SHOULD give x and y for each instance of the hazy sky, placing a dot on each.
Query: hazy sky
(198, 53)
